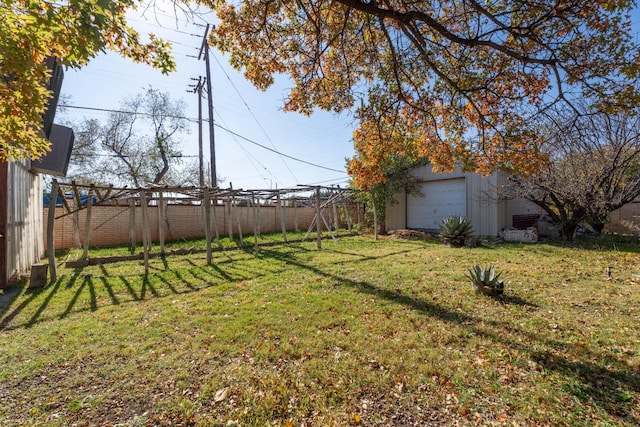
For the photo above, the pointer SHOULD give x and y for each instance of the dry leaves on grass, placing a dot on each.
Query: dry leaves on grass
(221, 395)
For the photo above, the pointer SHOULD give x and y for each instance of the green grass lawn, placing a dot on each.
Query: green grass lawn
(199, 245)
(363, 332)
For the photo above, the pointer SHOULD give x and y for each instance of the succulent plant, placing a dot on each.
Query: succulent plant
(486, 280)
(455, 230)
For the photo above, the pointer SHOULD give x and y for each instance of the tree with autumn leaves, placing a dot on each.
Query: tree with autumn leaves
(72, 32)
(457, 81)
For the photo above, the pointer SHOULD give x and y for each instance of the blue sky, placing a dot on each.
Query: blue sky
(323, 139)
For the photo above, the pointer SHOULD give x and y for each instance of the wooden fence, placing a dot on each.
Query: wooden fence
(21, 239)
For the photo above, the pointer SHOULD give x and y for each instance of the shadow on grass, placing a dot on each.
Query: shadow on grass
(31, 294)
(51, 292)
(290, 255)
(88, 283)
(83, 291)
(516, 300)
(133, 288)
(602, 379)
(8, 295)
(105, 283)
(608, 387)
(147, 285)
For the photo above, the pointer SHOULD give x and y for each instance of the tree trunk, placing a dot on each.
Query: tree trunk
(567, 230)
(598, 226)
(165, 160)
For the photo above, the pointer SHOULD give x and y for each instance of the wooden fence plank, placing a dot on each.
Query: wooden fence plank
(239, 220)
(318, 227)
(255, 223)
(227, 205)
(346, 213)
(161, 220)
(336, 220)
(50, 231)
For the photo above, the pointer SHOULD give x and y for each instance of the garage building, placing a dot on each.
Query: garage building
(457, 193)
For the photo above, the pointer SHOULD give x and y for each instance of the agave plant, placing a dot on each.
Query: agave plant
(455, 230)
(486, 280)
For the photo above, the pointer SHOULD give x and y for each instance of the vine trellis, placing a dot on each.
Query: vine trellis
(76, 197)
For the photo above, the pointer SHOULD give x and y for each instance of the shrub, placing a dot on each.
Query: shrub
(455, 230)
(485, 280)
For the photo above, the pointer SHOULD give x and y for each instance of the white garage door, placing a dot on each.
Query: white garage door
(439, 200)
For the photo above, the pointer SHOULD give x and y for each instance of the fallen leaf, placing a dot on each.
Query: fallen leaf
(221, 395)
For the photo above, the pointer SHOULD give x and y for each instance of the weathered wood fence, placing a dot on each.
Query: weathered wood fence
(21, 239)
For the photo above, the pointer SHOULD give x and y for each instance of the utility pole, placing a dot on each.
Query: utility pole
(204, 48)
(197, 88)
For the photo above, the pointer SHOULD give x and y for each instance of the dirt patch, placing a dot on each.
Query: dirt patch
(410, 235)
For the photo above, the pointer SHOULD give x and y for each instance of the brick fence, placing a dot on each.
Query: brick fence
(110, 225)
(620, 219)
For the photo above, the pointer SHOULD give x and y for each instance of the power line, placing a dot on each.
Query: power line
(276, 151)
(253, 115)
(135, 113)
(216, 124)
(250, 157)
(345, 179)
(175, 156)
(164, 28)
(173, 42)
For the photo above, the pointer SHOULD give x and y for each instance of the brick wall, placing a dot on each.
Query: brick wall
(110, 224)
(619, 219)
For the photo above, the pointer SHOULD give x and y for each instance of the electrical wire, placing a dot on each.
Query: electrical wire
(254, 116)
(165, 28)
(277, 152)
(215, 124)
(250, 157)
(136, 113)
(345, 180)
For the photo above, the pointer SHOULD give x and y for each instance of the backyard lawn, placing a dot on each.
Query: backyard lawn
(362, 332)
